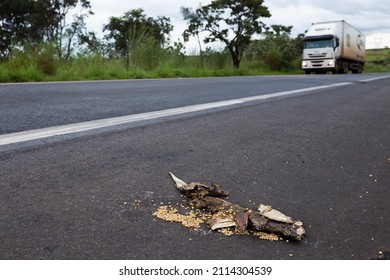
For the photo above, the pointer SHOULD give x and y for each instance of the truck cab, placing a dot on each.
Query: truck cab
(319, 53)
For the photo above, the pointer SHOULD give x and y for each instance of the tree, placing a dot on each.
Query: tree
(40, 21)
(232, 22)
(93, 44)
(277, 49)
(279, 30)
(134, 27)
(49, 22)
(194, 28)
(14, 24)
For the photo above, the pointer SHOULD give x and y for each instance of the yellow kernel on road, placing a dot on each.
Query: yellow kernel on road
(170, 214)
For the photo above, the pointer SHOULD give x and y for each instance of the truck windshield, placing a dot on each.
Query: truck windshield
(315, 44)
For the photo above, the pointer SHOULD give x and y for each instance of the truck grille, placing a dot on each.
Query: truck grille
(317, 63)
(317, 55)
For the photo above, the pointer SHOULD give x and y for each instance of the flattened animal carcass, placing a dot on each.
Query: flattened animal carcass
(227, 214)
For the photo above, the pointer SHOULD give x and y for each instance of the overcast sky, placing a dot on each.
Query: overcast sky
(369, 16)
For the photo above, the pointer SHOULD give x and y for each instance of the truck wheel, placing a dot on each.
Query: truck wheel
(345, 68)
(341, 68)
(359, 70)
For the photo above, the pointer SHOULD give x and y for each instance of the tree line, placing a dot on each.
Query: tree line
(58, 27)
(26, 23)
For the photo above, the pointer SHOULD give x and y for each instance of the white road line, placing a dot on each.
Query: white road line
(104, 123)
(374, 79)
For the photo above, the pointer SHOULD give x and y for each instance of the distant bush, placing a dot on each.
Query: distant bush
(43, 56)
(274, 59)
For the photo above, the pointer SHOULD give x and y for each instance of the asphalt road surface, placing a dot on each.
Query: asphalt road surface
(320, 155)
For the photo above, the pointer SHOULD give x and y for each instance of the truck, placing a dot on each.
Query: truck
(334, 46)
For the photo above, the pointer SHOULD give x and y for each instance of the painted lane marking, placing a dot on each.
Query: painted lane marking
(42, 133)
(374, 79)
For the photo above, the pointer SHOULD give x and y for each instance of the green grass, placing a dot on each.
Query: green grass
(378, 60)
(95, 68)
(24, 68)
(378, 55)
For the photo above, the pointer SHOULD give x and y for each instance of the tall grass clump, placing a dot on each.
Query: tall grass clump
(378, 60)
(20, 68)
(145, 53)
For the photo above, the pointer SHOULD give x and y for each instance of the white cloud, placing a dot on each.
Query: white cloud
(370, 17)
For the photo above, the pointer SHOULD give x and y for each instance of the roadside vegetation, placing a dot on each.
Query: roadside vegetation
(58, 46)
(150, 61)
(378, 60)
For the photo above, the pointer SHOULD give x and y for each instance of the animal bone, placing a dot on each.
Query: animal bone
(270, 213)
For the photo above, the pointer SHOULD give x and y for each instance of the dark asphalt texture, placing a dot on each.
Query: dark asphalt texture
(323, 158)
(39, 105)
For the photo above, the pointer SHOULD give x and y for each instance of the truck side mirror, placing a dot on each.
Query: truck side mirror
(337, 42)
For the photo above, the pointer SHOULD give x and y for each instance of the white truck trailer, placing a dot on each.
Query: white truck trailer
(333, 46)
